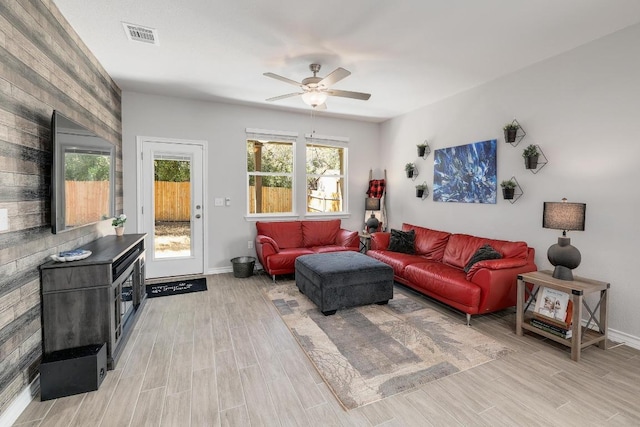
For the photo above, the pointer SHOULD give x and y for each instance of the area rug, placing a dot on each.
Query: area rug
(368, 353)
(176, 288)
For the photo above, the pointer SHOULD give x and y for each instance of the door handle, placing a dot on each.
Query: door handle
(198, 216)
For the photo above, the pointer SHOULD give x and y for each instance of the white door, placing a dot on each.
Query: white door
(171, 185)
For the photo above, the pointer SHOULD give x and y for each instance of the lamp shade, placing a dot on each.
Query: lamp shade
(372, 204)
(564, 216)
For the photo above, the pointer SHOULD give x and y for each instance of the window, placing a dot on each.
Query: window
(270, 167)
(326, 176)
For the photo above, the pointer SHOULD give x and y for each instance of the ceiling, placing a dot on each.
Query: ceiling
(407, 54)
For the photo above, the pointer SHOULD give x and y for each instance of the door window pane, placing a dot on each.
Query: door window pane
(172, 207)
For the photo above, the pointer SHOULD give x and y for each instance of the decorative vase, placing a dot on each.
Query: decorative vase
(531, 162)
(421, 151)
(508, 193)
(119, 230)
(510, 135)
(410, 173)
(372, 223)
(419, 193)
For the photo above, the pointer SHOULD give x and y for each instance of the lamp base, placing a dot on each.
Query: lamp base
(564, 257)
(372, 223)
(563, 273)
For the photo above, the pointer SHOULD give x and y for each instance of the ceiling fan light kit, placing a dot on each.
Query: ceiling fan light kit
(314, 98)
(315, 90)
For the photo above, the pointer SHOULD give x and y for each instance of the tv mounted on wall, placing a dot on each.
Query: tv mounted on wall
(82, 176)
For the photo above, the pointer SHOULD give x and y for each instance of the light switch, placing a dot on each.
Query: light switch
(4, 220)
(218, 201)
(227, 201)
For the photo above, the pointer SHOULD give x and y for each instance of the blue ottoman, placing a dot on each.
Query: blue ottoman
(337, 280)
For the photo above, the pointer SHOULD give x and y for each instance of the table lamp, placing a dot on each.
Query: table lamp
(564, 216)
(372, 204)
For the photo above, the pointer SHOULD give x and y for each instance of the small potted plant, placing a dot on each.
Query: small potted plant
(118, 224)
(508, 189)
(410, 168)
(510, 131)
(531, 155)
(422, 149)
(420, 189)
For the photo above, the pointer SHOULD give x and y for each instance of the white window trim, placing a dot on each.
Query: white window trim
(323, 139)
(271, 135)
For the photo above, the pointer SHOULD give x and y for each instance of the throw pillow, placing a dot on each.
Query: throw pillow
(483, 253)
(402, 241)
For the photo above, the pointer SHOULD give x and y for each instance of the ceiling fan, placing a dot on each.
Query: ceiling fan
(315, 90)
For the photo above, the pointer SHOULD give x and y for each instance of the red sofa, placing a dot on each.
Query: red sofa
(278, 244)
(437, 268)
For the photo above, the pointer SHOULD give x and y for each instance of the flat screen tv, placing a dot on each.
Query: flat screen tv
(82, 176)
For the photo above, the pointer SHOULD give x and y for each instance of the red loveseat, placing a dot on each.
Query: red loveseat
(278, 244)
(437, 268)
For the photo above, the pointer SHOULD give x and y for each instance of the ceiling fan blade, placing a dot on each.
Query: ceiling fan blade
(335, 76)
(289, 95)
(349, 94)
(283, 79)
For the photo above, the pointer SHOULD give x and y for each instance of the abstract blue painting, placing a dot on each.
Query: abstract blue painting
(466, 173)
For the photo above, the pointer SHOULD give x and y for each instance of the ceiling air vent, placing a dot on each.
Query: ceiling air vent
(138, 33)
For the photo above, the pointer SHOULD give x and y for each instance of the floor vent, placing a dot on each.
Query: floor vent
(138, 33)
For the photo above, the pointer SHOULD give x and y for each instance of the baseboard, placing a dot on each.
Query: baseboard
(220, 270)
(624, 338)
(20, 403)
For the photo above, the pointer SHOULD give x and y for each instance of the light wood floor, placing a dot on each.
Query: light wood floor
(225, 358)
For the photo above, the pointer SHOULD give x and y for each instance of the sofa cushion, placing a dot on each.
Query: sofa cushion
(380, 240)
(319, 233)
(402, 241)
(397, 261)
(460, 248)
(484, 253)
(286, 258)
(510, 249)
(287, 234)
(444, 281)
(430, 243)
(331, 248)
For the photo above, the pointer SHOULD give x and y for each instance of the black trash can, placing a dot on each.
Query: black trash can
(243, 266)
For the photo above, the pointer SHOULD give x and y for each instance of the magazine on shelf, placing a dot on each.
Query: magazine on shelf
(552, 304)
(565, 324)
(552, 329)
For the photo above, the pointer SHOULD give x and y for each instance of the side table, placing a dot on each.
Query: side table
(577, 289)
(365, 241)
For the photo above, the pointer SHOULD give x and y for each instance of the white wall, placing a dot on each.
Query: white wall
(583, 109)
(223, 127)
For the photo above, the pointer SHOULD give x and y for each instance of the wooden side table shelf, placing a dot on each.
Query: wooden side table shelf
(577, 289)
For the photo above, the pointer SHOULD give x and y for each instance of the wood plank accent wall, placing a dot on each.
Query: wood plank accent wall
(44, 66)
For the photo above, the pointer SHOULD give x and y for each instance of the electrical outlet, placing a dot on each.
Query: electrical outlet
(250, 244)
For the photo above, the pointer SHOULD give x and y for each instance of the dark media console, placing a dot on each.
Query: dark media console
(95, 300)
